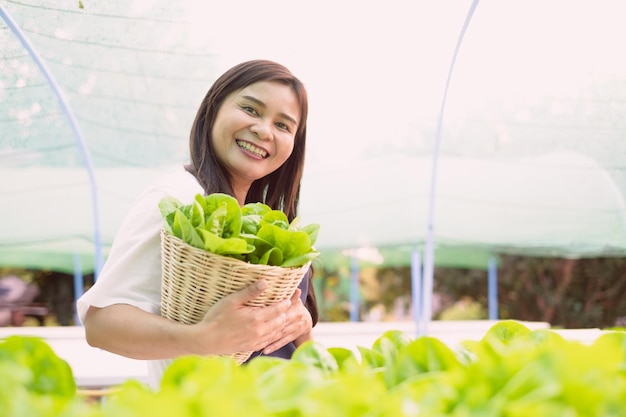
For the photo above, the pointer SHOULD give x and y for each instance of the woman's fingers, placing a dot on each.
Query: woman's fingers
(231, 325)
(242, 327)
(298, 322)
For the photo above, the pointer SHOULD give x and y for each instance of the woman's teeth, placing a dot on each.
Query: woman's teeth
(251, 148)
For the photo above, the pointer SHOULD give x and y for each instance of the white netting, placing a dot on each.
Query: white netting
(532, 146)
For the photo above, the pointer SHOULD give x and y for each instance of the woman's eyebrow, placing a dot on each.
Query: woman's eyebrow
(261, 104)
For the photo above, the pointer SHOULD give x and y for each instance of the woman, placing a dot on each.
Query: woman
(248, 140)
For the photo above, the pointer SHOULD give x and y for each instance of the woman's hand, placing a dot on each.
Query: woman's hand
(297, 327)
(232, 326)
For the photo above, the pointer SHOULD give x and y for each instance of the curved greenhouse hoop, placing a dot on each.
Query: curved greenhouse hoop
(98, 256)
(425, 315)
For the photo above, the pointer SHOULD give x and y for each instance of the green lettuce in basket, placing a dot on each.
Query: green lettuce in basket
(253, 233)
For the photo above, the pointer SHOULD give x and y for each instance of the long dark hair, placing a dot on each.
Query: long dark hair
(280, 189)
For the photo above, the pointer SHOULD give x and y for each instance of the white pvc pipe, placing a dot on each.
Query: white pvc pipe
(98, 258)
(429, 252)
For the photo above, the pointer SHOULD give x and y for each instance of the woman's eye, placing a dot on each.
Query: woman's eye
(250, 110)
(283, 126)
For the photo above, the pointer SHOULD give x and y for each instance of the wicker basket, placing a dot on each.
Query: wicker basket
(194, 279)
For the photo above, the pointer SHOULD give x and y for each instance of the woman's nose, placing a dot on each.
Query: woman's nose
(262, 129)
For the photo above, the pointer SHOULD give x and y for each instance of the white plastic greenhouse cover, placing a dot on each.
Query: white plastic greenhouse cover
(532, 144)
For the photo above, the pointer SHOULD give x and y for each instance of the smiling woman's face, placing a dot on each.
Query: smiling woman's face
(254, 132)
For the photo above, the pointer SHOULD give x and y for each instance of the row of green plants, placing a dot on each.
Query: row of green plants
(512, 371)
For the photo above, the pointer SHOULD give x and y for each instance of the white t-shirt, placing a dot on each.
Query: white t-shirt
(132, 271)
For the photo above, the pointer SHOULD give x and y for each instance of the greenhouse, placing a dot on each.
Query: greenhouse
(439, 133)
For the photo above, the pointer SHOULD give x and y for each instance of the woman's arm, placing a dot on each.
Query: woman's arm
(129, 331)
(229, 326)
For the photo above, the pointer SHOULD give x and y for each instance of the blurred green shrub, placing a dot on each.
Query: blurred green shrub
(512, 371)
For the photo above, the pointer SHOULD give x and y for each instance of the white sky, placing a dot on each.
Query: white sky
(377, 69)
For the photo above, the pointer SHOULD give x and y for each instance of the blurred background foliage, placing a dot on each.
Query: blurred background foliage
(567, 293)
